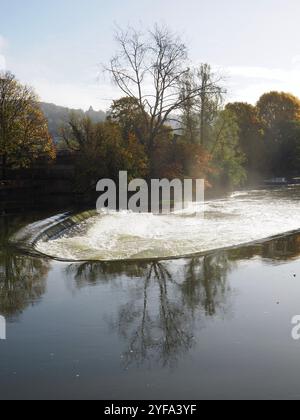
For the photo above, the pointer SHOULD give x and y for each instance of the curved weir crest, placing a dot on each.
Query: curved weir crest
(242, 218)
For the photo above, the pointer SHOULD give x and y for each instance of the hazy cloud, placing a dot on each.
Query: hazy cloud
(249, 83)
(2, 56)
(245, 84)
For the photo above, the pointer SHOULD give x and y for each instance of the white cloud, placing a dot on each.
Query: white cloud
(2, 62)
(296, 60)
(257, 72)
(2, 57)
(249, 83)
(2, 42)
(245, 84)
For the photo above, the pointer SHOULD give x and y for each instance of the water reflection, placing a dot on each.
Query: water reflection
(22, 278)
(277, 250)
(166, 302)
(91, 273)
(163, 305)
(157, 321)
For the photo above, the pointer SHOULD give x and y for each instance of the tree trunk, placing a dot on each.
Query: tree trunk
(202, 121)
(4, 163)
(151, 153)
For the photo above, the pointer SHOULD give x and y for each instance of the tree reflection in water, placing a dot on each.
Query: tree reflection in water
(158, 325)
(22, 278)
(165, 300)
(157, 322)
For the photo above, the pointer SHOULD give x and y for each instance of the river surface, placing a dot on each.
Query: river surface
(212, 326)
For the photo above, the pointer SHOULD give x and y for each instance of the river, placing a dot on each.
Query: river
(215, 325)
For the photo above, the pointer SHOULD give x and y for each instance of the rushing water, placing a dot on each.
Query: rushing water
(241, 218)
(210, 326)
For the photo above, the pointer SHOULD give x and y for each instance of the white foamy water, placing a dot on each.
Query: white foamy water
(243, 217)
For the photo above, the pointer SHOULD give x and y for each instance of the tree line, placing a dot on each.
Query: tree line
(172, 121)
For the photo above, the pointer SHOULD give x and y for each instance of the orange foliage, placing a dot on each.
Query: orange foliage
(180, 159)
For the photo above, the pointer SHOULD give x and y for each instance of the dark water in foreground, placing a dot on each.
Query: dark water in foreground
(209, 327)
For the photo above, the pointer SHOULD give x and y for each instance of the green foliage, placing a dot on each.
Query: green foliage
(225, 145)
(225, 150)
(269, 134)
(206, 123)
(251, 136)
(286, 155)
(277, 111)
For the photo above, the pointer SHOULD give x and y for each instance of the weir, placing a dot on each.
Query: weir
(243, 218)
(47, 230)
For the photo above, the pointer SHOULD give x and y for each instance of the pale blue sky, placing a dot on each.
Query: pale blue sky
(57, 45)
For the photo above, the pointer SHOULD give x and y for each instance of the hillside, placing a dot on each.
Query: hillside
(58, 116)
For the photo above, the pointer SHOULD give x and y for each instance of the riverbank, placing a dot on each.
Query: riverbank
(52, 186)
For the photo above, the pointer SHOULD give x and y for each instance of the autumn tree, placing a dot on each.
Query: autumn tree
(275, 110)
(151, 68)
(24, 135)
(127, 113)
(100, 151)
(277, 107)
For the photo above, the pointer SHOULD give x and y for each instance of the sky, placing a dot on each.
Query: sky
(59, 46)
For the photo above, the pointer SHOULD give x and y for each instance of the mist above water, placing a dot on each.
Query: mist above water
(241, 218)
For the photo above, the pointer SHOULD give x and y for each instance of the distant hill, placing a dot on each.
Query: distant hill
(58, 116)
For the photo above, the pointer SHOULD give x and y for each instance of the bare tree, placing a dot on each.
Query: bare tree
(151, 68)
(210, 97)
